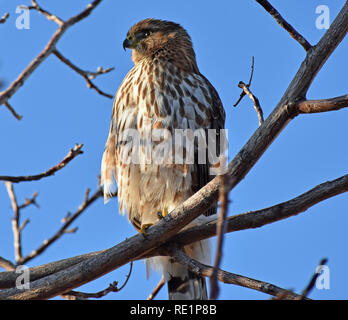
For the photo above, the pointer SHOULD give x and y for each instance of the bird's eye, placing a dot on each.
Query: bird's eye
(147, 33)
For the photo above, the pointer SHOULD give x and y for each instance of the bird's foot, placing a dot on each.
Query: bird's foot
(162, 214)
(144, 227)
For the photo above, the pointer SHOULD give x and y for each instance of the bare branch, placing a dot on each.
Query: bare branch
(323, 105)
(283, 23)
(50, 172)
(51, 45)
(28, 202)
(64, 228)
(112, 288)
(7, 265)
(157, 289)
(48, 15)
(259, 218)
(255, 100)
(15, 222)
(87, 75)
(231, 278)
(246, 91)
(4, 18)
(220, 231)
(13, 111)
(314, 278)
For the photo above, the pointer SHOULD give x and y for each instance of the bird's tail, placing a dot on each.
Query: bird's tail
(187, 286)
(183, 284)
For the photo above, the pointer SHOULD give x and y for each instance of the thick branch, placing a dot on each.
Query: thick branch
(323, 105)
(50, 172)
(282, 22)
(259, 218)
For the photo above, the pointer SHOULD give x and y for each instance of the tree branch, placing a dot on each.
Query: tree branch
(13, 111)
(232, 278)
(4, 18)
(323, 105)
(220, 230)
(68, 220)
(51, 45)
(314, 278)
(17, 238)
(157, 289)
(50, 172)
(112, 288)
(87, 75)
(259, 218)
(283, 23)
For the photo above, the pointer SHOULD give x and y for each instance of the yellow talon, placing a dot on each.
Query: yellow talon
(144, 227)
(164, 212)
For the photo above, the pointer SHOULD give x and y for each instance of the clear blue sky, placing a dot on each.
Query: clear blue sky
(59, 110)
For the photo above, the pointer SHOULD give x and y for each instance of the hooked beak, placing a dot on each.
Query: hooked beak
(128, 43)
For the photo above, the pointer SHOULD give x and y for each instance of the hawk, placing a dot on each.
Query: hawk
(162, 94)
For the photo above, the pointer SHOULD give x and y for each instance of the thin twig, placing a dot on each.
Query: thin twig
(314, 278)
(6, 264)
(28, 202)
(157, 289)
(283, 23)
(247, 91)
(15, 222)
(69, 219)
(255, 100)
(47, 14)
(4, 18)
(50, 172)
(87, 75)
(112, 288)
(13, 111)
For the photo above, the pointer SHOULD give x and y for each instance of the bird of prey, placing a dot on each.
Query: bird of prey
(164, 93)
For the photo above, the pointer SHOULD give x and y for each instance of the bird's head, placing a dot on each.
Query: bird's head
(151, 35)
